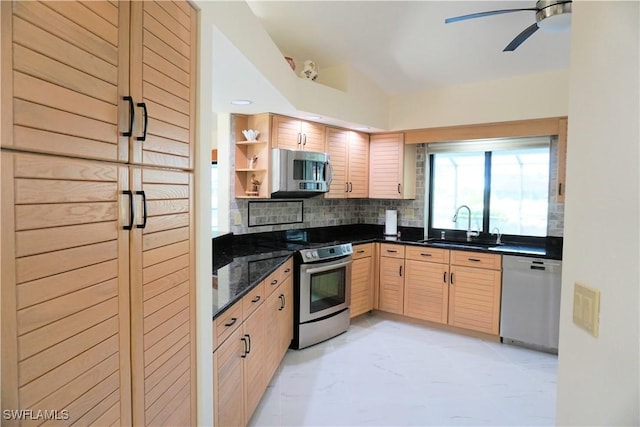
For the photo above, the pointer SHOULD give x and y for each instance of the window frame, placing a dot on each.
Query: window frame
(485, 147)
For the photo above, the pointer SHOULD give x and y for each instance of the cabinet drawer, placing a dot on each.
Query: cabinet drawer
(274, 280)
(362, 251)
(253, 299)
(228, 322)
(391, 250)
(417, 253)
(476, 259)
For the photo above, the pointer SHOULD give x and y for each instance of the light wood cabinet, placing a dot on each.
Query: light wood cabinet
(362, 279)
(457, 288)
(97, 249)
(349, 155)
(296, 134)
(252, 158)
(562, 160)
(247, 353)
(391, 278)
(392, 167)
(426, 293)
(474, 296)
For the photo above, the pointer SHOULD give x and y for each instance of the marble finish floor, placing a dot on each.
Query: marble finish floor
(385, 372)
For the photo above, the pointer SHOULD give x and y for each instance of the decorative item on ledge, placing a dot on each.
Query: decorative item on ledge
(255, 186)
(291, 62)
(310, 70)
(250, 134)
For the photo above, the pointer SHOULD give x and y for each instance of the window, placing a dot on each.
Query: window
(504, 183)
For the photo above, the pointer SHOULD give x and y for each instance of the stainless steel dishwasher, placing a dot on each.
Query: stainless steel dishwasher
(530, 312)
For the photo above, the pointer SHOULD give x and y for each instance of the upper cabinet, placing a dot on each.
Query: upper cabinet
(349, 155)
(252, 157)
(102, 80)
(562, 159)
(392, 167)
(295, 134)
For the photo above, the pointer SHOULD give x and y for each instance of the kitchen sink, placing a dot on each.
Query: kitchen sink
(457, 245)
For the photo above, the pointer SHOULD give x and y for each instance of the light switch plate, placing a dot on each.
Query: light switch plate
(586, 308)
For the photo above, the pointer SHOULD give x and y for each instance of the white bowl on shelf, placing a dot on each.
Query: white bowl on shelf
(251, 134)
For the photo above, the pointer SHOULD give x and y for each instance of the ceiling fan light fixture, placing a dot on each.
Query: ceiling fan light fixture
(553, 15)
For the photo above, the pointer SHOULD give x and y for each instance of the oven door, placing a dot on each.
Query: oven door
(325, 288)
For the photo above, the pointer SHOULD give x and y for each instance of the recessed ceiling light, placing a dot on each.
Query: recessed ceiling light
(241, 102)
(314, 117)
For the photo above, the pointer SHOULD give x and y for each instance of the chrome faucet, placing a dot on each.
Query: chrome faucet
(496, 231)
(470, 233)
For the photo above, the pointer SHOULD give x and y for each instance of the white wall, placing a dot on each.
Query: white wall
(524, 97)
(598, 377)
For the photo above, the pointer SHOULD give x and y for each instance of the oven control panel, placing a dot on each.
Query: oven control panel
(326, 252)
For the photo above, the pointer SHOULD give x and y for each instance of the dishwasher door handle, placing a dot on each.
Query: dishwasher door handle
(538, 267)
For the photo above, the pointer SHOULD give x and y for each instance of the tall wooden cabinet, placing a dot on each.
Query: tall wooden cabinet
(349, 154)
(97, 247)
(392, 167)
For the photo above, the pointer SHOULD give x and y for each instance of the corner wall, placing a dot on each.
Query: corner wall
(598, 377)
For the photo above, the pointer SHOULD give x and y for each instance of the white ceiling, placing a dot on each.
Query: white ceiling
(405, 46)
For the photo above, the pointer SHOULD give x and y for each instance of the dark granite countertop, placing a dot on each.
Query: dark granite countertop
(240, 262)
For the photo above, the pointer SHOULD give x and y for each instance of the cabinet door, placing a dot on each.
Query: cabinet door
(391, 285)
(337, 143)
(65, 288)
(285, 133)
(361, 289)
(426, 292)
(386, 166)
(163, 65)
(162, 298)
(254, 363)
(286, 316)
(228, 382)
(64, 75)
(358, 162)
(313, 136)
(272, 347)
(474, 299)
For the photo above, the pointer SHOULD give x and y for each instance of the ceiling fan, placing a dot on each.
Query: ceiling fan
(550, 15)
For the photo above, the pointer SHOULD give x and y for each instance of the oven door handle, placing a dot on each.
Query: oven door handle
(326, 267)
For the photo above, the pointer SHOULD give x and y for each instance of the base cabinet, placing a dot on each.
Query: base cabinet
(250, 339)
(457, 288)
(362, 279)
(391, 293)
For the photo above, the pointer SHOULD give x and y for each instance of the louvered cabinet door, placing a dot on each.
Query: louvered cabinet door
(163, 64)
(358, 165)
(162, 298)
(65, 289)
(386, 166)
(336, 147)
(64, 73)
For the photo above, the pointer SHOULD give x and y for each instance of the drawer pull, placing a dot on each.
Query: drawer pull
(256, 299)
(246, 346)
(400, 271)
(361, 251)
(274, 282)
(288, 270)
(451, 278)
(425, 254)
(444, 277)
(474, 259)
(392, 251)
(233, 321)
(282, 302)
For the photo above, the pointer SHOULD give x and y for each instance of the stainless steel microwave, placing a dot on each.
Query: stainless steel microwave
(298, 173)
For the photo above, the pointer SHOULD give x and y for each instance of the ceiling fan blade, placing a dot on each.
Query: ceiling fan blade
(525, 34)
(482, 14)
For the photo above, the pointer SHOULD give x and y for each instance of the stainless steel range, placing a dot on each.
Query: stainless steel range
(322, 294)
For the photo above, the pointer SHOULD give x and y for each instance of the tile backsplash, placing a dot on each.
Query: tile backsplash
(320, 212)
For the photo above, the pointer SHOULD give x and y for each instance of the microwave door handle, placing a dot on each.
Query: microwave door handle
(330, 173)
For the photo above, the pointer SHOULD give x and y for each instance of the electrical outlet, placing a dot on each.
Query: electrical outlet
(586, 308)
(237, 219)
